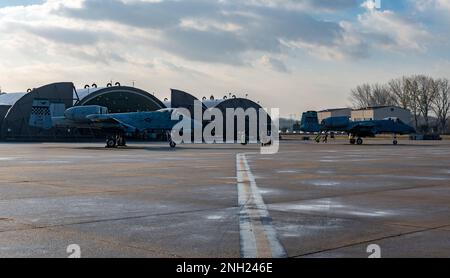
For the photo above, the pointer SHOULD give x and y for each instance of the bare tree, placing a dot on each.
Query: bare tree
(399, 91)
(381, 96)
(427, 90)
(419, 93)
(367, 95)
(441, 103)
(412, 90)
(361, 96)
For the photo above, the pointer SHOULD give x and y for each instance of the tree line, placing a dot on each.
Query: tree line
(422, 95)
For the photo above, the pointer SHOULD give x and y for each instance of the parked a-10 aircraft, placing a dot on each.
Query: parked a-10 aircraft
(97, 117)
(355, 129)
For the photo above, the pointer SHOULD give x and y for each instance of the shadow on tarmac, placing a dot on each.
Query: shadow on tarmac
(158, 148)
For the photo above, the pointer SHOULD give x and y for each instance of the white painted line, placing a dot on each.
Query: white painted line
(258, 238)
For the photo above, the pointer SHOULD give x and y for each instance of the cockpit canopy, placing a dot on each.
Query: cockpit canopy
(394, 119)
(175, 113)
(79, 113)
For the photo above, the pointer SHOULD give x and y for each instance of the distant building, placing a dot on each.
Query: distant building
(338, 112)
(380, 113)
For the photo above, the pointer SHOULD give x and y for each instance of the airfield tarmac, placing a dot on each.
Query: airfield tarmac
(309, 200)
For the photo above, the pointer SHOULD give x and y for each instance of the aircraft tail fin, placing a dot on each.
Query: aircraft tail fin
(40, 116)
(310, 122)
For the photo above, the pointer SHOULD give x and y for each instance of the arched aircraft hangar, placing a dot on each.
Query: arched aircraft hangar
(181, 99)
(41, 104)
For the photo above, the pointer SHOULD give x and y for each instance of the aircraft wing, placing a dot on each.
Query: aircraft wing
(364, 127)
(109, 121)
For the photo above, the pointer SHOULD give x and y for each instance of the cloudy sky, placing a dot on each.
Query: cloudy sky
(291, 54)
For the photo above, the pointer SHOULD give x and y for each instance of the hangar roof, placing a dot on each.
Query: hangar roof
(379, 107)
(120, 99)
(10, 98)
(82, 93)
(335, 109)
(212, 103)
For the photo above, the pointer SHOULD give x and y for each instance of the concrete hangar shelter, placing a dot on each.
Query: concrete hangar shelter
(18, 110)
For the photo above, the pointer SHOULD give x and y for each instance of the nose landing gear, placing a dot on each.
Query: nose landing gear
(357, 141)
(116, 141)
(111, 143)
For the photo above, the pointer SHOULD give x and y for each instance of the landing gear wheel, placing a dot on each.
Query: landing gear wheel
(111, 143)
(352, 141)
(359, 141)
(122, 142)
(395, 142)
(173, 144)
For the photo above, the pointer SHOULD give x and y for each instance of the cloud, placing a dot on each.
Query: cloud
(274, 63)
(217, 31)
(145, 14)
(308, 5)
(226, 32)
(390, 31)
(57, 34)
(429, 5)
(444, 4)
(332, 5)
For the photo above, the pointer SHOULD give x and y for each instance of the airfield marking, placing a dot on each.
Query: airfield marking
(258, 238)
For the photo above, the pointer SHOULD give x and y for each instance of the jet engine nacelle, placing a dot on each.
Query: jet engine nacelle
(335, 123)
(80, 113)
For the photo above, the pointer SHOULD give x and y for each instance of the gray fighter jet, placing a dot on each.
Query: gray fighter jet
(121, 124)
(355, 129)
